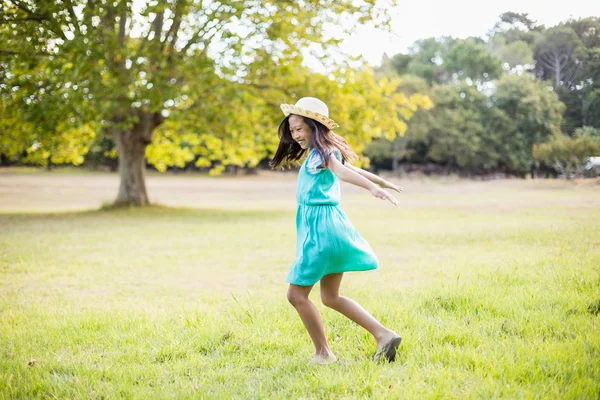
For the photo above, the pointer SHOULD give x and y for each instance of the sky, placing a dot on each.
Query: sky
(458, 18)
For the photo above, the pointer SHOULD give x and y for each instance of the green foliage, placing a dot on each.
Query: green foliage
(217, 74)
(567, 155)
(243, 133)
(457, 131)
(517, 53)
(119, 64)
(567, 54)
(514, 25)
(43, 130)
(587, 130)
(580, 68)
(427, 59)
(534, 112)
(558, 53)
(445, 59)
(586, 30)
(471, 59)
(472, 131)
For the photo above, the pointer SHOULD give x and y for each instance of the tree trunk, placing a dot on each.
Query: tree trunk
(131, 148)
(557, 69)
(396, 148)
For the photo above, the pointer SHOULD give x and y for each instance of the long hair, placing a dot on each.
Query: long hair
(324, 140)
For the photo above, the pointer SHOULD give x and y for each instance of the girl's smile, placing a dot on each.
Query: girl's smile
(300, 132)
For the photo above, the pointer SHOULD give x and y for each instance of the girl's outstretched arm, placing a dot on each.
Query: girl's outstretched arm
(375, 179)
(349, 175)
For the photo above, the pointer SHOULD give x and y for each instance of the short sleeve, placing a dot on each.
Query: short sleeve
(315, 163)
(337, 154)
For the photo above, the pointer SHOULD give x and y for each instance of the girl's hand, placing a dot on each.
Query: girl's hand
(383, 195)
(391, 186)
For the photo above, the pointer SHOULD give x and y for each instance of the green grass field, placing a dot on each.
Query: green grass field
(494, 286)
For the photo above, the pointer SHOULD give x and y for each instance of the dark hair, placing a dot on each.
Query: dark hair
(324, 140)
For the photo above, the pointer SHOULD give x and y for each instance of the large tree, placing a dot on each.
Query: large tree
(559, 54)
(124, 67)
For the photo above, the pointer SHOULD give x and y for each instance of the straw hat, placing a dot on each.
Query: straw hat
(310, 107)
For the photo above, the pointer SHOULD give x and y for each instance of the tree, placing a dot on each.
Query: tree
(471, 59)
(587, 30)
(583, 70)
(427, 59)
(559, 54)
(516, 27)
(513, 38)
(535, 113)
(125, 66)
(514, 21)
(463, 131)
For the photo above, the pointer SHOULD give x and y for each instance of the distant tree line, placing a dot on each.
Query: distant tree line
(497, 98)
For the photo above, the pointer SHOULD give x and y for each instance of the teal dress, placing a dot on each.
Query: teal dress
(326, 241)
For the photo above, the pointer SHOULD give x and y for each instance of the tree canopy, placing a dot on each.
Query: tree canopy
(176, 81)
(198, 83)
(496, 97)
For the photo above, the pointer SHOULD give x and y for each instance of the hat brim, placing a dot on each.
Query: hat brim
(292, 109)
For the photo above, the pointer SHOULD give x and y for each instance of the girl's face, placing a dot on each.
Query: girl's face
(301, 132)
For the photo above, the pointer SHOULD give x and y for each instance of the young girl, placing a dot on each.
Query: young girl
(327, 245)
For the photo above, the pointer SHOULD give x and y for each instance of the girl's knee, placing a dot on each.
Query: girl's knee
(330, 299)
(295, 297)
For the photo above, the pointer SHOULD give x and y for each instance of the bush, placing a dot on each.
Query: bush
(568, 155)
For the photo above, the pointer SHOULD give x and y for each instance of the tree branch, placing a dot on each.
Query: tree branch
(122, 24)
(158, 25)
(174, 29)
(10, 21)
(16, 53)
(564, 62)
(74, 16)
(109, 55)
(547, 58)
(548, 64)
(143, 44)
(571, 73)
(40, 18)
(27, 10)
(199, 35)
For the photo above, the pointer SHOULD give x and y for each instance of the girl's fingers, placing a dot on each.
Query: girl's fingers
(383, 195)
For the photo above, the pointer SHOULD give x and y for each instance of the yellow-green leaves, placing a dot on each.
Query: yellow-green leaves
(567, 155)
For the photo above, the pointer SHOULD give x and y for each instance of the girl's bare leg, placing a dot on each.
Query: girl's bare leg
(330, 295)
(298, 297)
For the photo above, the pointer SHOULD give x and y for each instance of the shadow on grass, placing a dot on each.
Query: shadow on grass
(154, 211)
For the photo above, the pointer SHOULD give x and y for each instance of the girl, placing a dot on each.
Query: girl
(327, 245)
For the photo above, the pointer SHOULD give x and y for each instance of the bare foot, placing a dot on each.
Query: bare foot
(323, 359)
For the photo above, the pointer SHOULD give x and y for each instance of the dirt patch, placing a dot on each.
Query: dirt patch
(57, 191)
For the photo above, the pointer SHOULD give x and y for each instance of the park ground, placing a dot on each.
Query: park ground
(494, 286)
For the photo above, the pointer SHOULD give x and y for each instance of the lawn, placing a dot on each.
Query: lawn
(494, 287)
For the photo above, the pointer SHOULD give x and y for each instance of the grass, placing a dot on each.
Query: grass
(494, 286)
